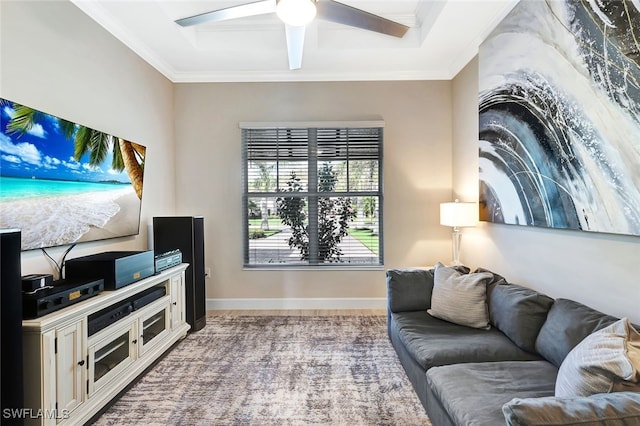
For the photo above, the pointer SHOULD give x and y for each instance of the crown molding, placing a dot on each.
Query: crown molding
(467, 55)
(307, 76)
(96, 12)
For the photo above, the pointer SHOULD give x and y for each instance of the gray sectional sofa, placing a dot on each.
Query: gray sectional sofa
(505, 374)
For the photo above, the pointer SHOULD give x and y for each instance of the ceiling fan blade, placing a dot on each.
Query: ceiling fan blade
(295, 44)
(250, 9)
(340, 13)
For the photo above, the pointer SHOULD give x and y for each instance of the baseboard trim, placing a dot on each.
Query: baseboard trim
(297, 303)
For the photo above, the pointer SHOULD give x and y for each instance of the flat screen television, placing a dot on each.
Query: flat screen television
(63, 183)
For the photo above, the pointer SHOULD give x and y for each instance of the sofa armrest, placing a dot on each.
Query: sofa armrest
(605, 409)
(409, 289)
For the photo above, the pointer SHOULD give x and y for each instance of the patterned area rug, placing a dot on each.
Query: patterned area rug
(275, 370)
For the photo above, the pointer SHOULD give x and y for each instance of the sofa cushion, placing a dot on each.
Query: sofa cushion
(605, 361)
(495, 280)
(409, 289)
(518, 312)
(432, 342)
(567, 323)
(460, 298)
(473, 394)
(618, 409)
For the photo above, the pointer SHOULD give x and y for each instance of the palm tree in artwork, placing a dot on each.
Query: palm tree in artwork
(127, 155)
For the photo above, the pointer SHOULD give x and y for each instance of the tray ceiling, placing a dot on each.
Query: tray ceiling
(443, 36)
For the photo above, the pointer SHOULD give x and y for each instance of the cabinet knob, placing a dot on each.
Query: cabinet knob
(81, 363)
(175, 303)
(135, 341)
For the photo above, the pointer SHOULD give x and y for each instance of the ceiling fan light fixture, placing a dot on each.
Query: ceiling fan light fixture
(297, 13)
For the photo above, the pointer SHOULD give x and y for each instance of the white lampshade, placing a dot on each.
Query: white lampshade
(458, 214)
(297, 13)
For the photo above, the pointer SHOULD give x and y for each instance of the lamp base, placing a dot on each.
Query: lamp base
(456, 236)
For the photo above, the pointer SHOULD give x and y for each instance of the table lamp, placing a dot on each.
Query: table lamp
(458, 215)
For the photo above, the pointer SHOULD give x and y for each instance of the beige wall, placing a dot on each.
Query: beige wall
(596, 269)
(417, 175)
(56, 59)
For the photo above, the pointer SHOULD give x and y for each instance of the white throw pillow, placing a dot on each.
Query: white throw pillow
(605, 361)
(460, 298)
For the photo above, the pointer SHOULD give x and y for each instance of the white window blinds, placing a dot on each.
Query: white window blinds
(312, 196)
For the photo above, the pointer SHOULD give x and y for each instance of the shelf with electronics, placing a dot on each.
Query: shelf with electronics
(73, 369)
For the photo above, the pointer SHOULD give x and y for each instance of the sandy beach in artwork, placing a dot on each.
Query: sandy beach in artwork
(125, 222)
(65, 219)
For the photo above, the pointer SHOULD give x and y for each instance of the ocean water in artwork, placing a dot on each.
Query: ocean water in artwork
(14, 188)
(559, 107)
(54, 212)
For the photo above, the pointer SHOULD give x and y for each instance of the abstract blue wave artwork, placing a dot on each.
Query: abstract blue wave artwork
(559, 112)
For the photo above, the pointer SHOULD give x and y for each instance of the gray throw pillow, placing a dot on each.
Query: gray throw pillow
(519, 313)
(496, 279)
(605, 361)
(460, 298)
(568, 322)
(618, 409)
(409, 289)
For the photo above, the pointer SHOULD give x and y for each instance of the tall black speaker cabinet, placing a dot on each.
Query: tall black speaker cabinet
(11, 328)
(186, 233)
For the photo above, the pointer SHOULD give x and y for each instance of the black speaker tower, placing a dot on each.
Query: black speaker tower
(11, 329)
(186, 233)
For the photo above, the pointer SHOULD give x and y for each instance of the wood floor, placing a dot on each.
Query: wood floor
(301, 312)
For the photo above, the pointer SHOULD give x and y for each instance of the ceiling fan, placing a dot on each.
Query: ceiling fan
(296, 14)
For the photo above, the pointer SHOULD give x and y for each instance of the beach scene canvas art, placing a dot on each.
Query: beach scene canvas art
(63, 183)
(559, 115)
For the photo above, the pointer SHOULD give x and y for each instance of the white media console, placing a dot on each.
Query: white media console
(69, 375)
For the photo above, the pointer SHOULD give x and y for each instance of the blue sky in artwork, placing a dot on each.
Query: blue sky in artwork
(44, 153)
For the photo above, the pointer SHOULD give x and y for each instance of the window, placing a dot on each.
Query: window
(312, 195)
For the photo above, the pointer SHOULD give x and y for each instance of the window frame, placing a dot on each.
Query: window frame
(313, 160)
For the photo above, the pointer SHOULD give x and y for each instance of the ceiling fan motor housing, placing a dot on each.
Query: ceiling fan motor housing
(297, 13)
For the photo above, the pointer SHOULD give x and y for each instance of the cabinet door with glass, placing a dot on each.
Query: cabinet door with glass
(110, 354)
(153, 326)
